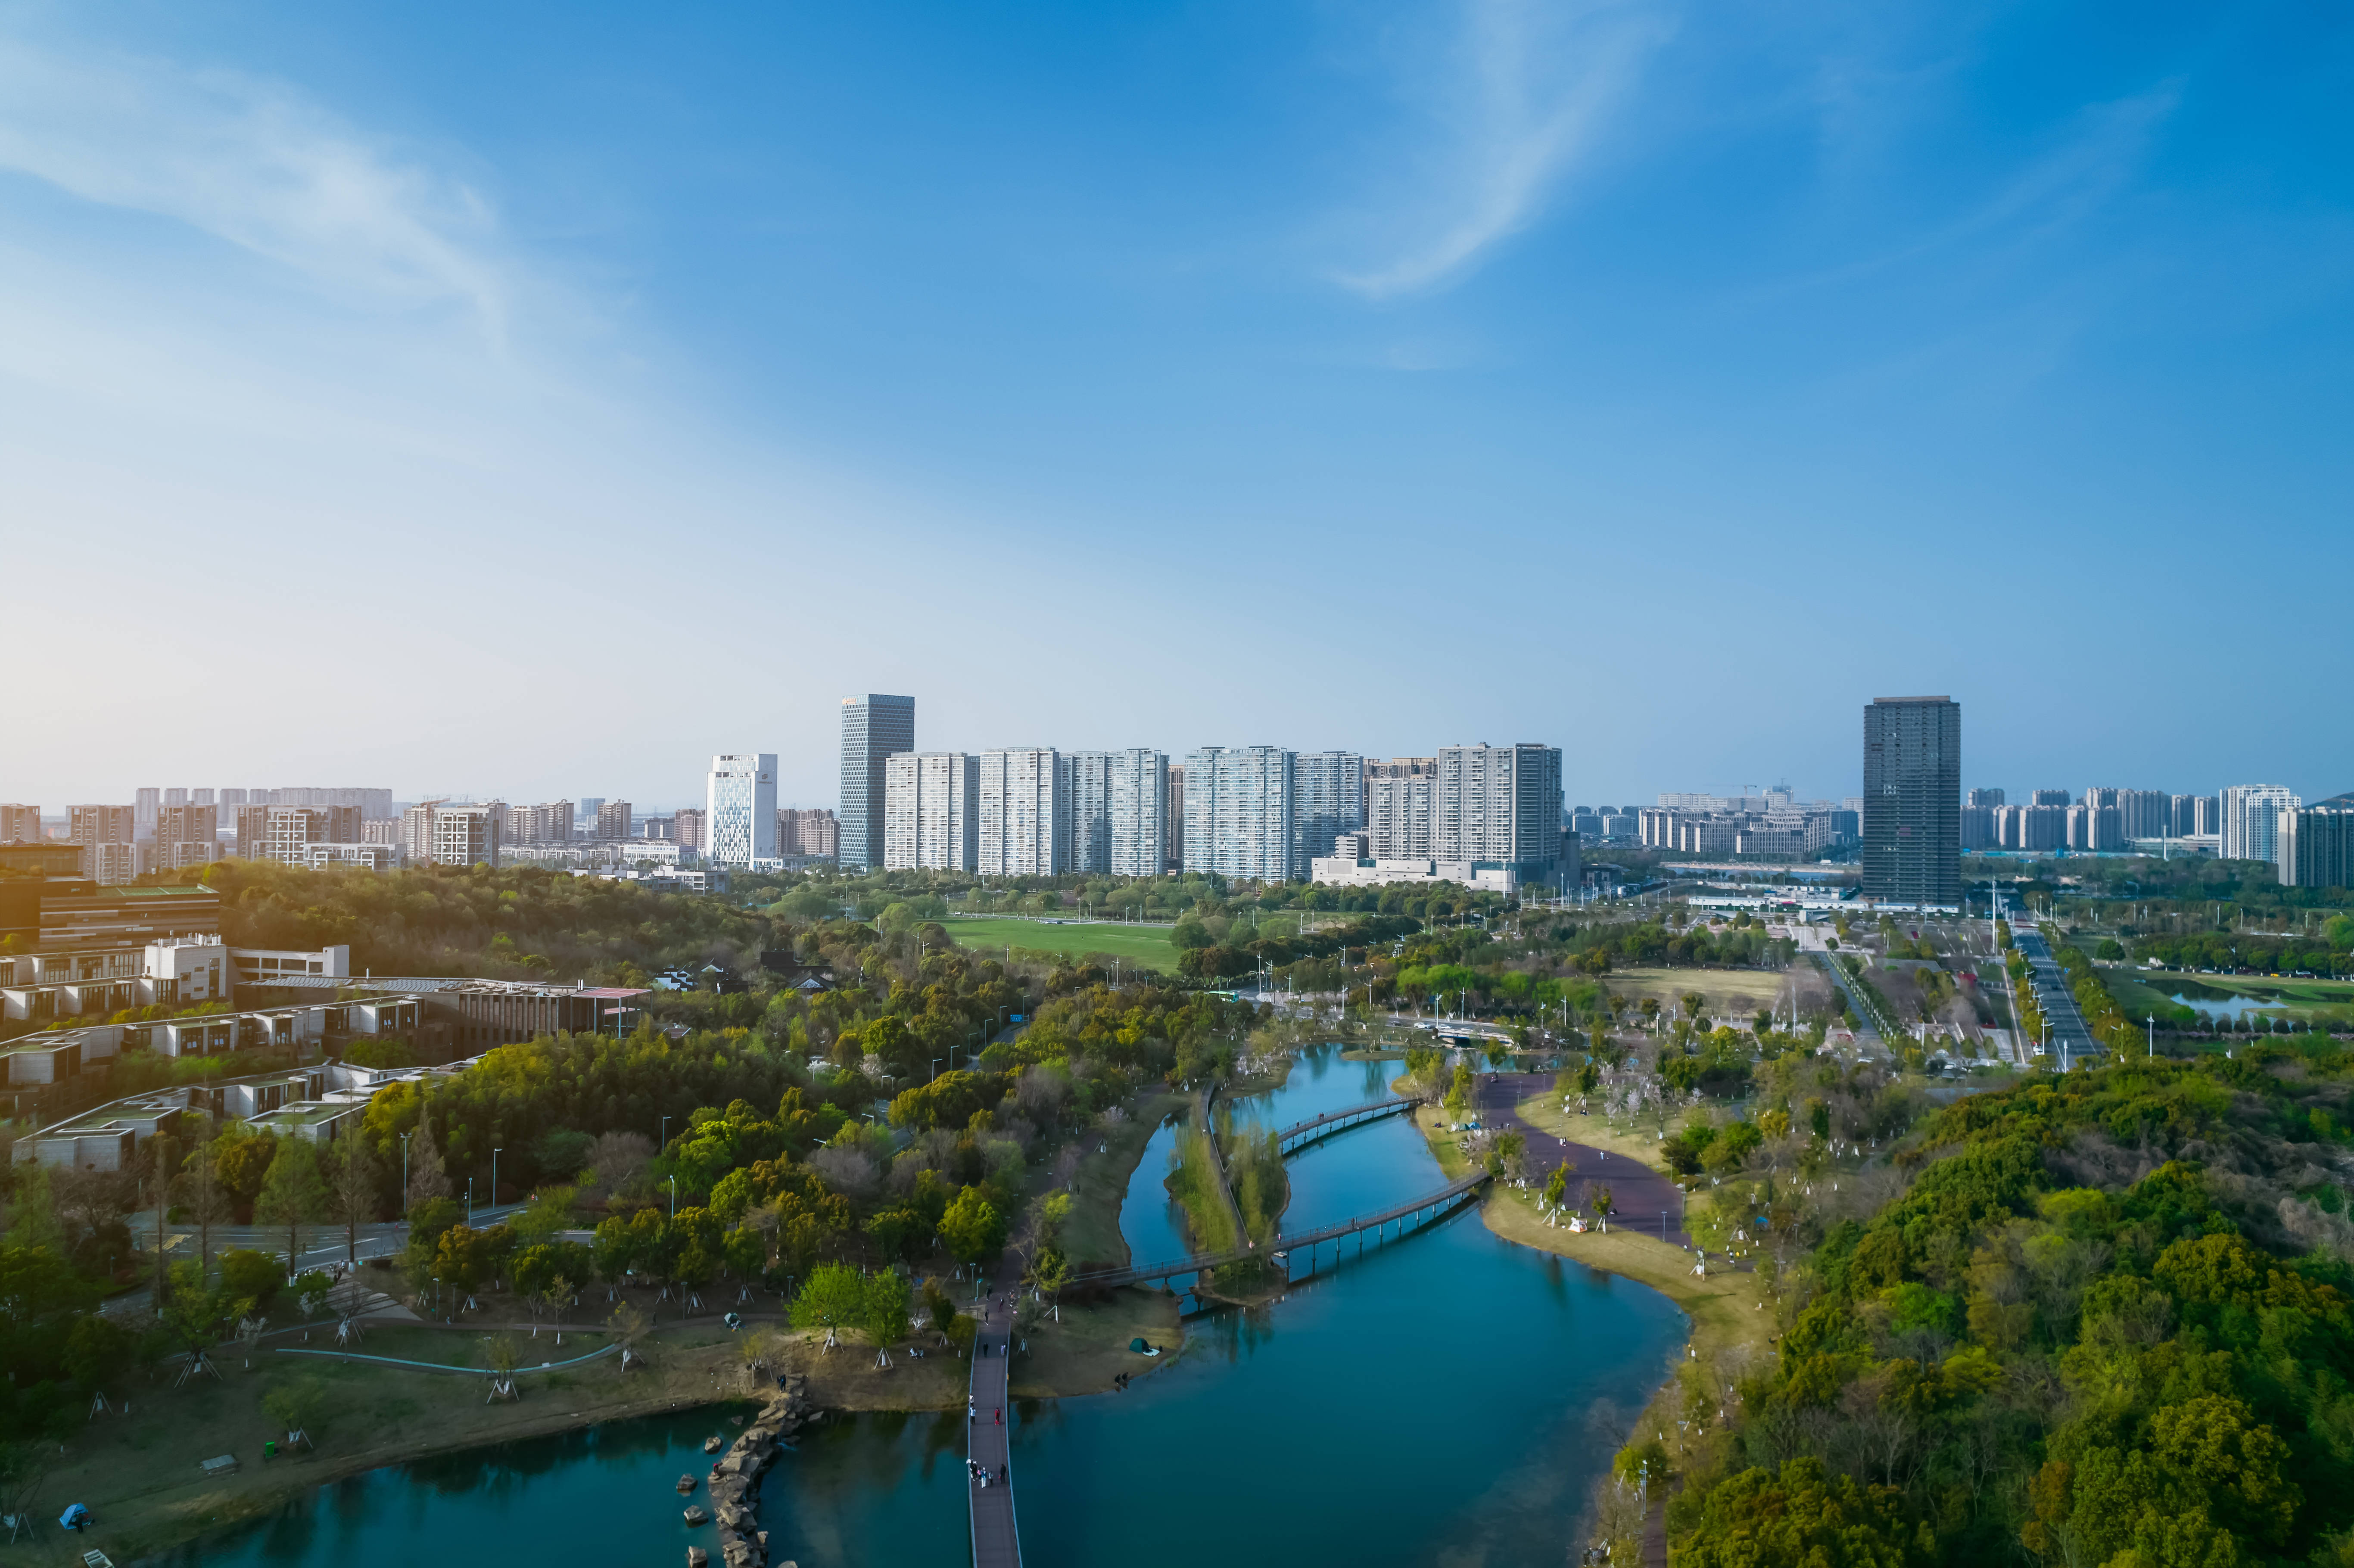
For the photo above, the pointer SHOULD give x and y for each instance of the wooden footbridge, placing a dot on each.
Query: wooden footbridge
(1405, 1218)
(1301, 1134)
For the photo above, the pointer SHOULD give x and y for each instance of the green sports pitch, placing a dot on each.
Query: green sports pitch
(1145, 944)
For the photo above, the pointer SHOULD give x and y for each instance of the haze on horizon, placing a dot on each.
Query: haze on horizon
(537, 399)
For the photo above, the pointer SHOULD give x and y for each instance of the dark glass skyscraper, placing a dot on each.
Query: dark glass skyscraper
(873, 729)
(1912, 799)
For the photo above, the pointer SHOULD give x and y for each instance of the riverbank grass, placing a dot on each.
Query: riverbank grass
(1089, 1348)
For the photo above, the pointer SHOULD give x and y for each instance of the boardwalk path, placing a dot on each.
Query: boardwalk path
(1642, 1199)
(996, 1537)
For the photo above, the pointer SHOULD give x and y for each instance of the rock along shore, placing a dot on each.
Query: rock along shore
(735, 1478)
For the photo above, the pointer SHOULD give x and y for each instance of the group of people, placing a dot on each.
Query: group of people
(984, 1475)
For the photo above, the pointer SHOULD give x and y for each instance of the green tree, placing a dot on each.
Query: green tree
(294, 1194)
(253, 1279)
(1801, 1515)
(833, 1297)
(973, 1227)
(883, 1312)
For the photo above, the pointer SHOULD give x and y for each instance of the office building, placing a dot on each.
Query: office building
(1087, 779)
(814, 832)
(1987, 798)
(2315, 846)
(1139, 812)
(19, 823)
(1397, 814)
(2251, 815)
(741, 809)
(688, 827)
(1498, 804)
(1024, 817)
(1911, 793)
(931, 810)
(612, 819)
(1174, 818)
(1239, 812)
(1327, 800)
(874, 728)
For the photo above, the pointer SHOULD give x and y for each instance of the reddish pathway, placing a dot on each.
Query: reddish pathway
(1640, 1195)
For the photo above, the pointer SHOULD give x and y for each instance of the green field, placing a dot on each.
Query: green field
(1145, 944)
(2148, 990)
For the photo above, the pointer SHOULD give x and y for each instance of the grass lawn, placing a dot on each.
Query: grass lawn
(1729, 992)
(1145, 944)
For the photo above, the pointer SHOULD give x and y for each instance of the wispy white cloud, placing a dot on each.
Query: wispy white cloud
(1522, 94)
(257, 164)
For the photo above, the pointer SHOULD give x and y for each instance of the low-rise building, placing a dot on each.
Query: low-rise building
(1348, 871)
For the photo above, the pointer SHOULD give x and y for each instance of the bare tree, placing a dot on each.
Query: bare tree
(350, 1190)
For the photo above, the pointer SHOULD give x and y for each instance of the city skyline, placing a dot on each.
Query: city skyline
(1813, 336)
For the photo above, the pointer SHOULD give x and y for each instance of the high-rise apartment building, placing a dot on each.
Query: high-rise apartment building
(467, 833)
(1087, 779)
(1026, 810)
(102, 824)
(612, 819)
(1174, 819)
(1397, 814)
(1139, 812)
(740, 803)
(811, 831)
(587, 816)
(2251, 820)
(174, 798)
(689, 827)
(1984, 798)
(549, 822)
(186, 835)
(1327, 800)
(1502, 805)
(1978, 826)
(1239, 812)
(931, 810)
(2194, 814)
(2316, 847)
(231, 798)
(144, 804)
(874, 728)
(19, 823)
(2049, 798)
(202, 798)
(1911, 795)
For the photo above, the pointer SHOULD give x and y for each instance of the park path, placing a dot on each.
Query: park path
(1642, 1199)
(996, 1535)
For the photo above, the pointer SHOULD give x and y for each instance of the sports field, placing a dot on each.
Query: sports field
(1145, 944)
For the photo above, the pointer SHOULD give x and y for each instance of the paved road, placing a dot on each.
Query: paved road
(2059, 1004)
(323, 1246)
(1643, 1199)
(996, 1536)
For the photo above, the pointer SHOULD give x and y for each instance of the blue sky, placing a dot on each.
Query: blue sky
(538, 399)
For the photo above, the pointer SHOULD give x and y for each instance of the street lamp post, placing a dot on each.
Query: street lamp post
(404, 1172)
(494, 1178)
(673, 1197)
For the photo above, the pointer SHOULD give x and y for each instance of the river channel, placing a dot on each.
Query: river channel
(1447, 1399)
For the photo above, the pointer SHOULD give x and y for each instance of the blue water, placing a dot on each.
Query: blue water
(1447, 1399)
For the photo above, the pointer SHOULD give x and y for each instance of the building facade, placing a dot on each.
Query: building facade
(814, 831)
(1239, 809)
(1912, 796)
(1087, 779)
(466, 833)
(931, 810)
(1397, 814)
(1174, 817)
(741, 809)
(1502, 804)
(2316, 847)
(2251, 819)
(1026, 810)
(1139, 812)
(612, 819)
(874, 728)
(1327, 800)
(688, 825)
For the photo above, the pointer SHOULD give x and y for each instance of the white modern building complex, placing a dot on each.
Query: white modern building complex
(1026, 810)
(1139, 812)
(740, 803)
(931, 810)
(1239, 808)
(2251, 825)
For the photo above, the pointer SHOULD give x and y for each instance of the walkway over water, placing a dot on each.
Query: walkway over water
(1299, 1135)
(996, 1538)
(1418, 1210)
